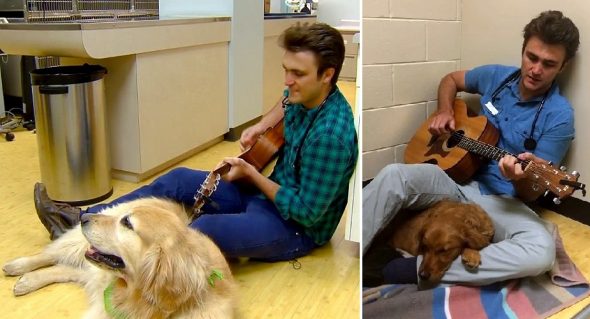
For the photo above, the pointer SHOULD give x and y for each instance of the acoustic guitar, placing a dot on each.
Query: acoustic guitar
(258, 155)
(461, 152)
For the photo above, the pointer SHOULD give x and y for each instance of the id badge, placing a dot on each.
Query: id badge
(491, 108)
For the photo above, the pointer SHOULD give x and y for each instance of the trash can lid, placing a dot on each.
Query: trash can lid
(71, 74)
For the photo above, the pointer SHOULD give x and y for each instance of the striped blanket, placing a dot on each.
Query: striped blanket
(535, 297)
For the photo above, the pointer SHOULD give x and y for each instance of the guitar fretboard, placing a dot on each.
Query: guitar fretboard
(480, 148)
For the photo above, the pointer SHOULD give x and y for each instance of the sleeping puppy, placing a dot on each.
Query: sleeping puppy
(135, 260)
(441, 233)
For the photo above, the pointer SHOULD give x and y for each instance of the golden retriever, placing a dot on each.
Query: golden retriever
(135, 260)
(441, 233)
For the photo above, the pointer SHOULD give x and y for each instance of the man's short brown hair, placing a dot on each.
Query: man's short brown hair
(322, 40)
(552, 27)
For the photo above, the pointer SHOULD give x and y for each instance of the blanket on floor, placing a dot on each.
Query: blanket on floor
(534, 297)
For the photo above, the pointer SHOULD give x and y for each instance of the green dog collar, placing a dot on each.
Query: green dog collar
(108, 304)
(215, 275)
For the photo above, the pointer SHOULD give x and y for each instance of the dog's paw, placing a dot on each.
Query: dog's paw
(23, 286)
(16, 267)
(471, 258)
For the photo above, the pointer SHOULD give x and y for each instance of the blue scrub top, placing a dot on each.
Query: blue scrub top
(553, 132)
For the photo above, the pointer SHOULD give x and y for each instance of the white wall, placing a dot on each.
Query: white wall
(276, 6)
(333, 12)
(407, 47)
(492, 33)
(183, 8)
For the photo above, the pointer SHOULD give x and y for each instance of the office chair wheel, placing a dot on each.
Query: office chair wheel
(9, 137)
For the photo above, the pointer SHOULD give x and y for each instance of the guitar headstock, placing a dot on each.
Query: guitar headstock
(557, 181)
(201, 197)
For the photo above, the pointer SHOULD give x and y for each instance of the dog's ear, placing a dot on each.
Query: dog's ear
(478, 229)
(169, 276)
(419, 237)
(475, 239)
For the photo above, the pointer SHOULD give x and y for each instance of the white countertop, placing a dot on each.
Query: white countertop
(100, 40)
(348, 28)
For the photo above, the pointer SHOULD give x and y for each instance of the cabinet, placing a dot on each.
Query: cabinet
(351, 48)
(166, 96)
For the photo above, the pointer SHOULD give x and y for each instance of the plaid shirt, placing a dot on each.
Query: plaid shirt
(314, 169)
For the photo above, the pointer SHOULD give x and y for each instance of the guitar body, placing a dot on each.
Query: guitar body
(457, 162)
(266, 147)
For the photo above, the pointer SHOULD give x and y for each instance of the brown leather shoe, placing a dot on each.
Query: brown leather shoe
(57, 218)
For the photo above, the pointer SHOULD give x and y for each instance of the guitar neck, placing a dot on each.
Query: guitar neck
(258, 155)
(221, 170)
(480, 148)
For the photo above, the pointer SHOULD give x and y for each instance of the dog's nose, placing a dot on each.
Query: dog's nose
(424, 275)
(84, 219)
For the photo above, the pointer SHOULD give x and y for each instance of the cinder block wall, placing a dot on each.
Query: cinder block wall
(408, 46)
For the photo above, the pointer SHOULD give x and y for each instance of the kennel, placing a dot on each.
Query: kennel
(48, 11)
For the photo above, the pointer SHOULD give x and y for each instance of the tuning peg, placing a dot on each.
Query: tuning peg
(563, 168)
(576, 174)
(546, 193)
(556, 201)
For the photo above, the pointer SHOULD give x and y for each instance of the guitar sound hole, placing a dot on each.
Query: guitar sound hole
(431, 161)
(455, 138)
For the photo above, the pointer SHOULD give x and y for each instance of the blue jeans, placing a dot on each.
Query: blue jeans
(242, 224)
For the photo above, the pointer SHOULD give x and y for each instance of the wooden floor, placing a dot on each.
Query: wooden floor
(326, 286)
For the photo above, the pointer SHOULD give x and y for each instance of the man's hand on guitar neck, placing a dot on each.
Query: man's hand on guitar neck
(443, 122)
(512, 169)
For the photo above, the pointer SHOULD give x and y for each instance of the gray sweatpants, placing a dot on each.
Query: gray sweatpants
(521, 246)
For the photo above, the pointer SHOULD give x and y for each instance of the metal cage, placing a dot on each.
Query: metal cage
(42, 62)
(81, 10)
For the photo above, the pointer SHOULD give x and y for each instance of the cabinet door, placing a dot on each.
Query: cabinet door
(350, 48)
(349, 67)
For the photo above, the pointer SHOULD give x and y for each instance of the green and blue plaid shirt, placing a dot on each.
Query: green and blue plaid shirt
(314, 169)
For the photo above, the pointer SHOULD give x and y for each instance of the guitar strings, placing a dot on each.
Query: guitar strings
(496, 153)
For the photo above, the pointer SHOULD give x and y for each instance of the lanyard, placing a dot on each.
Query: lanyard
(319, 109)
(529, 143)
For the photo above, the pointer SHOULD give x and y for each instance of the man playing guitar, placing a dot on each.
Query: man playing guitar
(298, 207)
(533, 120)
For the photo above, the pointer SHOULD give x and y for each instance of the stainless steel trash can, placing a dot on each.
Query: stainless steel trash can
(72, 135)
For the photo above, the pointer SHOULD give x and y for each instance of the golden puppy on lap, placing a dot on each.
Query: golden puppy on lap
(136, 260)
